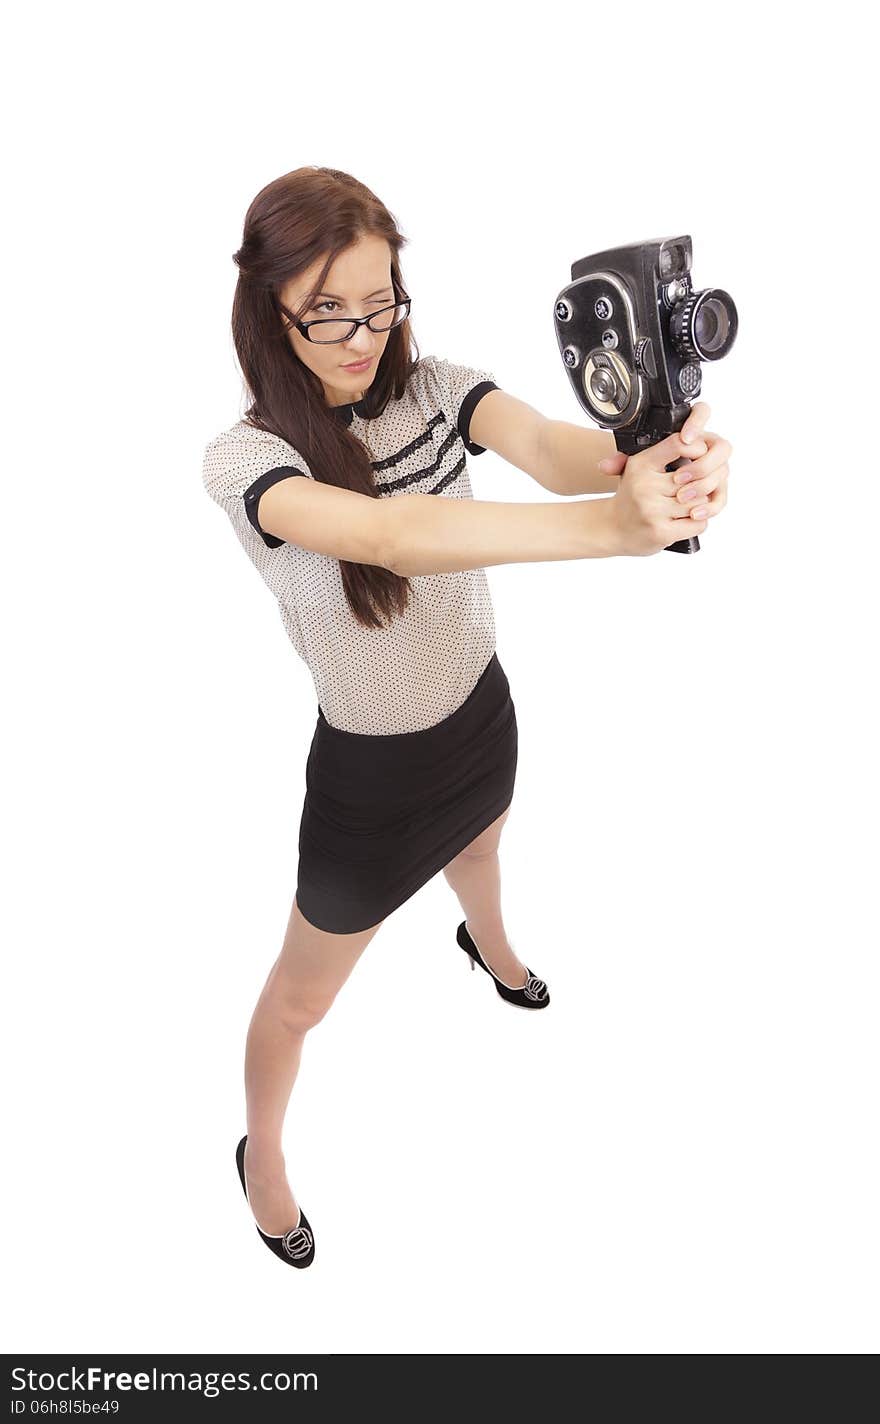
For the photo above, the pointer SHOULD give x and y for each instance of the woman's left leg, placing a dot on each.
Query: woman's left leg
(475, 876)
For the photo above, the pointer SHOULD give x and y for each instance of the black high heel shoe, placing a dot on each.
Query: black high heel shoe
(534, 994)
(296, 1246)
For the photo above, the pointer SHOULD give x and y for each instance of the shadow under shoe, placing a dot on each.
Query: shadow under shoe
(534, 994)
(296, 1246)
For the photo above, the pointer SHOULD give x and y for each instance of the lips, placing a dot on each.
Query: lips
(357, 365)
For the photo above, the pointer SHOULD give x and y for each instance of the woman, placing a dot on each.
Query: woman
(347, 485)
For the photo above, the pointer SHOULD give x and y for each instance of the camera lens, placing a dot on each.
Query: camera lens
(703, 326)
(711, 326)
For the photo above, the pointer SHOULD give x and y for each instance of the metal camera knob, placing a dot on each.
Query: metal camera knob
(645, 359)
(603, 385)
(607, 384)
(689, 378)
(674, 291)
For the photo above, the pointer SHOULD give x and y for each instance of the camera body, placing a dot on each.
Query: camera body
(632, 333)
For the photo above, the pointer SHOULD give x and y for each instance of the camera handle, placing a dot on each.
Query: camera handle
(660, 422)
(691, 545)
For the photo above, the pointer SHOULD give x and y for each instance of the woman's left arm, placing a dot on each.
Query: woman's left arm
(572, 459)
(562, 458)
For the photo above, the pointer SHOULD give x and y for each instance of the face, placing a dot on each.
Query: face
(358, 283)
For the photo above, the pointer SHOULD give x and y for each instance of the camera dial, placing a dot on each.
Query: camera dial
(689, 378)
(645, 359)
(675, 292)
(607, 383)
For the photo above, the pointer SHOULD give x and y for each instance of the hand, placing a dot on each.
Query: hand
(691, 432)
(649, 513)
(699, 487)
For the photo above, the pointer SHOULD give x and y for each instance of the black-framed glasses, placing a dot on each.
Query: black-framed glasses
(333, 329)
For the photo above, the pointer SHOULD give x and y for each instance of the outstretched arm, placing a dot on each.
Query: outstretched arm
(563, 458)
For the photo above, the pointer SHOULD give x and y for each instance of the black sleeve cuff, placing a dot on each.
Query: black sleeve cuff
(466, 410)
(252, 494)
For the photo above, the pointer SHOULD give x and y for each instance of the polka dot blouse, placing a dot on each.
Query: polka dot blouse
(421, 667)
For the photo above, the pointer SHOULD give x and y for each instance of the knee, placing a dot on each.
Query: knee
(301, 1011)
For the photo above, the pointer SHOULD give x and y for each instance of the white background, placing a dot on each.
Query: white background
(680, 1155)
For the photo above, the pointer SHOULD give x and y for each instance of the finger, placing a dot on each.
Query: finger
(665, 452)
(690, 517)
(685, 527)
(673, 448)
(698, 474)
(613, 464)
(704, 509)
(713, 459)
(690, 450)
(718, 500)
(692, 494)
(680, 476)
(695, 422)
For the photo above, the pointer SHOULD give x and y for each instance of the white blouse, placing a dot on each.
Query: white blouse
(419, 669)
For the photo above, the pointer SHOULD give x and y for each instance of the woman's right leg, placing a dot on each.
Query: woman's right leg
(302, 984)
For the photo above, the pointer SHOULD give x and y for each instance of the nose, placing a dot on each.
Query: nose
(361, 345)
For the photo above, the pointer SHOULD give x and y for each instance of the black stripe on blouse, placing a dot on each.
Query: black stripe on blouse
(282, 472)
(468, 406)
(252, 498)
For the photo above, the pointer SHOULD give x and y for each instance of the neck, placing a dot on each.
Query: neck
(337, 397)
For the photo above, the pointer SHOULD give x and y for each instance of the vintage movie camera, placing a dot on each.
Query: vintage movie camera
(632, 333)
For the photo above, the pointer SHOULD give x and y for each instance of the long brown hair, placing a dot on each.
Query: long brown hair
(289, 225)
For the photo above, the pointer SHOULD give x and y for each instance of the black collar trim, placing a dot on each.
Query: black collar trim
(345, 413)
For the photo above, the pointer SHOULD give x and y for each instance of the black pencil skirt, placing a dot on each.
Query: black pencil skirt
(383, 814)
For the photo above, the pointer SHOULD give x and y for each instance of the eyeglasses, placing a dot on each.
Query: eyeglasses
(333, 329)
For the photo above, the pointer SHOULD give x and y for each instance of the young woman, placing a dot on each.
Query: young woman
(347, 484)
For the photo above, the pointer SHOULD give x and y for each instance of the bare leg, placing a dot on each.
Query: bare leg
(475, 876)
(302, 984)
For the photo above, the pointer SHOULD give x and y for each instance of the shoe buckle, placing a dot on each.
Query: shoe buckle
(297, 1242)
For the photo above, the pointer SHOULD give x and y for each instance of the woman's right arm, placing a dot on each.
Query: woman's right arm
(431, 535)
(428, 534)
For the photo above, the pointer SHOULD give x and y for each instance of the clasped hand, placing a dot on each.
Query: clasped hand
(700, 486)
